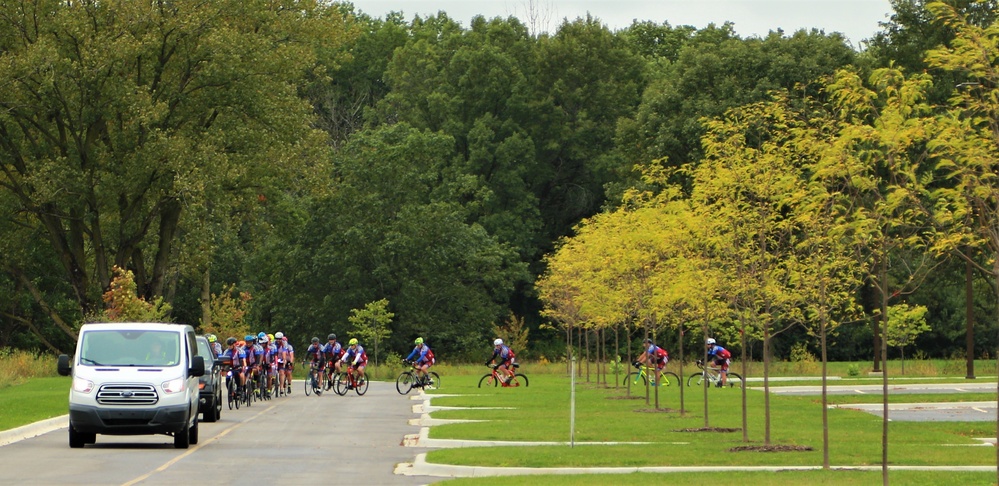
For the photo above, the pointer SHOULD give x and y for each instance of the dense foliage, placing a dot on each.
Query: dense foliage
(317, 161)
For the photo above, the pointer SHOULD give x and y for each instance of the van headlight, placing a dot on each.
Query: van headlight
(82, 385)
(174, 386)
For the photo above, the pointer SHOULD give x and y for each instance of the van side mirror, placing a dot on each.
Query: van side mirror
(63, 366)
(197, 366)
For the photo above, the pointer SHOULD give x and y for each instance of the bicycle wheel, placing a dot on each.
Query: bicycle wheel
(434, 381)
(329, 378)
(340, 385)
(635, 378)
(404, 383)
(519, 379)
(230, 394)
(734, 379)
(308, 383)
(668, 378)
(695, 379)
(362, 386)
(488, 380)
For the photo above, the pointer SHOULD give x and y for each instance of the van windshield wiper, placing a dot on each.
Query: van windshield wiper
(90, 361)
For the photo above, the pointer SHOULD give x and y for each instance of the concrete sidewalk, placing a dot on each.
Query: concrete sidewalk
(420, 467)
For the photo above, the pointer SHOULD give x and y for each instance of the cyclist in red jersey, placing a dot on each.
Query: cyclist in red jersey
(506, 359)
(721, 357)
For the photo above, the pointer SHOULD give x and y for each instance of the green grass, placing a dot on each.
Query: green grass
(835, 478)
(542, 414)
(36, 399)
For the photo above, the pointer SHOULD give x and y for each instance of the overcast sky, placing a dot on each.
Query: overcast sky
(856, 19)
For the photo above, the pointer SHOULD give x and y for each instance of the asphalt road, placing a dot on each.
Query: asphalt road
(291, 440)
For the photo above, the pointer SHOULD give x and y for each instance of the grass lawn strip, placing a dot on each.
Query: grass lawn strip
(855, 439)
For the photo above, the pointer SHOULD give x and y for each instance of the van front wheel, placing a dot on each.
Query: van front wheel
(182, 438)
(76, 439)
(193, 433)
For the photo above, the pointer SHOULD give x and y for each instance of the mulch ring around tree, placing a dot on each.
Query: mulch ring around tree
(772, 448)
(709, 429)
(657, 410)
(622, 397)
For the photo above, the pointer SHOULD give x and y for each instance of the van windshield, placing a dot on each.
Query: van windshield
(130, 348)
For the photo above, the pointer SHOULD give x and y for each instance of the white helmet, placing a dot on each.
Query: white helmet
(497, 342)
(710, 341)
(278, 335)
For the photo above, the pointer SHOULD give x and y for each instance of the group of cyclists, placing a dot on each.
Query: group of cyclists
(334, 355)
(657, 356)
(262, 357)
(272, 356)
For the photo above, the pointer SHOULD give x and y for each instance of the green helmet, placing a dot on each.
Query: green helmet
(418, 341)
(352, 342)
(212, 338)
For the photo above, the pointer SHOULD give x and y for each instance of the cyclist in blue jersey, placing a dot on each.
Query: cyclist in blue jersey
(721, 357)
(506, 359)
(356, 358)
(424, 359)
(652, 354)
(236, 359)
(333, 351)
(317, 361)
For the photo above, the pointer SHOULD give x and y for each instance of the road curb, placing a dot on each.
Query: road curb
(11, 436)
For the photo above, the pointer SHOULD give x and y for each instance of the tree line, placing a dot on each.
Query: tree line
(308, 160)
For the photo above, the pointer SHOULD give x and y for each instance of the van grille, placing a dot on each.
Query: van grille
(127, 394)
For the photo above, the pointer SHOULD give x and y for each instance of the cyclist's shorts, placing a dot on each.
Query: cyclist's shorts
(722, 363)
(507, 364)
(319, 365)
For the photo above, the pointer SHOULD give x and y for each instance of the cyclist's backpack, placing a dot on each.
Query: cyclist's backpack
(430, 356)
(661, 354)
(724, 354)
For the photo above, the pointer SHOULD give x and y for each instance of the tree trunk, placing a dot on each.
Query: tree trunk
(745, 376)
(969, 320)
(823, 324)
(169, 220)
(884, 370)
(206, 299)
(586, 340)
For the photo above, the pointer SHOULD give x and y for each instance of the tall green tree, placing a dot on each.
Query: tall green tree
(119, 122)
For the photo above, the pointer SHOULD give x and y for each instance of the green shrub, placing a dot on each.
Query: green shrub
(853, 370)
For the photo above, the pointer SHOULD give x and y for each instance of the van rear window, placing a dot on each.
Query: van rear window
(130, 348)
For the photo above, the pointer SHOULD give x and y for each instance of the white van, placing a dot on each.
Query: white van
(134, 379)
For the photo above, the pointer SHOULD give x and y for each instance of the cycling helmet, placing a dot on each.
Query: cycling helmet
(230, 341)
(270, 337)
(315, 339)
(352, 342)
(263, 340)
(249, 338)
(497, 342)
(279, 334)
(241, 343)
(418, 341)
(331, 337)
(648, 340)
(212, 338)
(710, 341)
(261, 335)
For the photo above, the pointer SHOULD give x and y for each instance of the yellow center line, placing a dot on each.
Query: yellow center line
(194, 449)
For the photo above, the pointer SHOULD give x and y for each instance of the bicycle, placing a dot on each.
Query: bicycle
(347, 381)
(232, 390)
(313, 383)
(331, 375)
(408, 380)
(641, 376)
(494, 378)
(710, 375)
